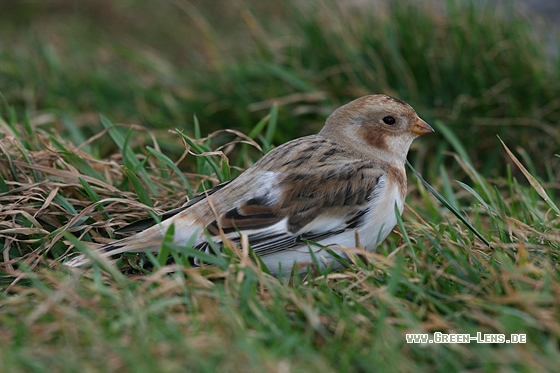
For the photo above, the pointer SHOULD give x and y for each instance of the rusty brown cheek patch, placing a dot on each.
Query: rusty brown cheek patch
(374, 137)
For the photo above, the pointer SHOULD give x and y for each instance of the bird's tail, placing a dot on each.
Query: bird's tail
(148, 240)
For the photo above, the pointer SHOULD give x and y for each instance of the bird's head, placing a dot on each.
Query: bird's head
(376, 124)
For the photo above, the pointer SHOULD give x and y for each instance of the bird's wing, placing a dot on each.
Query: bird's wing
(143, 224)
(292, 206)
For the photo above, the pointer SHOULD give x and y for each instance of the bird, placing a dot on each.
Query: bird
(306, 199)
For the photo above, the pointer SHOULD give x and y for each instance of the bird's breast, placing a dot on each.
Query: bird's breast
(381, 218)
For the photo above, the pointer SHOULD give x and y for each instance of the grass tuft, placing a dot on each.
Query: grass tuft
(69, 179)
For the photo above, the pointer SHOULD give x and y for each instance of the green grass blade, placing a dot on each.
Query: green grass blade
(64, 203)
(463, 154)
(477, 196)
(141, 192)
(94, 256)
(534, 183)
(165, 159)
(129, 158)
(3, 186)
(93, 196)
(164, 250)
(82, 166)
(208, 159)
(448, 205)
(271, 128)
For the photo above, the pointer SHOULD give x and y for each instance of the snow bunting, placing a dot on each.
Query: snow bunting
(338, 188)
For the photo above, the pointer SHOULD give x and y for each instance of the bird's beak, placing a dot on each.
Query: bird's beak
(422, 128)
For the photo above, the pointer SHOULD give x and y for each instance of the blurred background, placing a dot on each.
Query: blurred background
(478, 68)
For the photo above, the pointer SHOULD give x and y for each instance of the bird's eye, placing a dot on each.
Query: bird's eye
(389, 120)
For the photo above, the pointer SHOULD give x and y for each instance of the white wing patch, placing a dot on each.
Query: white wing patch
(267, 186)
